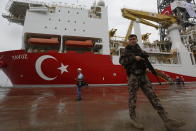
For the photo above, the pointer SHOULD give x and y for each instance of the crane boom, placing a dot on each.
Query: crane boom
(129, 30)
(134, 18)
(161, 19)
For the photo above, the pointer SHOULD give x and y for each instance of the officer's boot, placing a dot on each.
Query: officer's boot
(170, 123)
(137, 125)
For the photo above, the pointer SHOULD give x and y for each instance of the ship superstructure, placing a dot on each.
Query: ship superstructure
(60, 27)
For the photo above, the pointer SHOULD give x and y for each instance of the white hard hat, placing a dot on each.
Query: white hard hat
(79, 69)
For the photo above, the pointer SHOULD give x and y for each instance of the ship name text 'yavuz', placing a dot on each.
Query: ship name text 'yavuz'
(20, 57)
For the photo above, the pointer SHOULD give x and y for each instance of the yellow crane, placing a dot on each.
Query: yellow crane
(144, 17)
(113, 31)
(145, 37)
(129, 31)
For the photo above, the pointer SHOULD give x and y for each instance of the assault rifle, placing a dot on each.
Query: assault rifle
(149, 65)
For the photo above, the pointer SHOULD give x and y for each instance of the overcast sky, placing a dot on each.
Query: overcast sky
(11, 34)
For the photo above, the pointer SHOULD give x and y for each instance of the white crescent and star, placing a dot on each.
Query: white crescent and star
(63, 68)
(39, 71)
(167, 12)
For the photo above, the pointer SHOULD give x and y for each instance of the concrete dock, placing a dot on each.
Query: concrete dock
(101, 109)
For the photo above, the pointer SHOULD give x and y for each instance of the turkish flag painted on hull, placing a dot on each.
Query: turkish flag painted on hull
(167, 11)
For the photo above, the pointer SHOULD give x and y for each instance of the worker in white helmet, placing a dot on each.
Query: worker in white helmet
(80, 81)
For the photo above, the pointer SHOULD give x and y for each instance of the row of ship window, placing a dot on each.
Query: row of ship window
(67, 21)
(65, 28)
(67, 12)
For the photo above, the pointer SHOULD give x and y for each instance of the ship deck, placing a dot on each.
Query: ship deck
(101, 109)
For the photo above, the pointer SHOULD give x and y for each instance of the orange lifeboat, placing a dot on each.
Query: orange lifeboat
(86, 43)
(43, 41)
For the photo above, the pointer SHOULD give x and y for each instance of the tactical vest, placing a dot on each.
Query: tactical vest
(130, 64)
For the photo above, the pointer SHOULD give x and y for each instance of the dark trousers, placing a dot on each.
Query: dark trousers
(136, 82)
(79, 86)
(79, 93)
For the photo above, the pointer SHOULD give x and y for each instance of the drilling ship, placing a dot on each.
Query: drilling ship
(58, 38)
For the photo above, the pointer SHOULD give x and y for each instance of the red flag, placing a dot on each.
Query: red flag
(167, 11)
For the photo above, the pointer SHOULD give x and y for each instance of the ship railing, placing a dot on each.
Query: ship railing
(8, 5)
(10, 2)
(18, 20)
(38, 9)
(68, 5)
(166, 58)
(49, 4)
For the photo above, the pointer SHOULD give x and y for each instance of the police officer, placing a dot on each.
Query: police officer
(136, 71)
